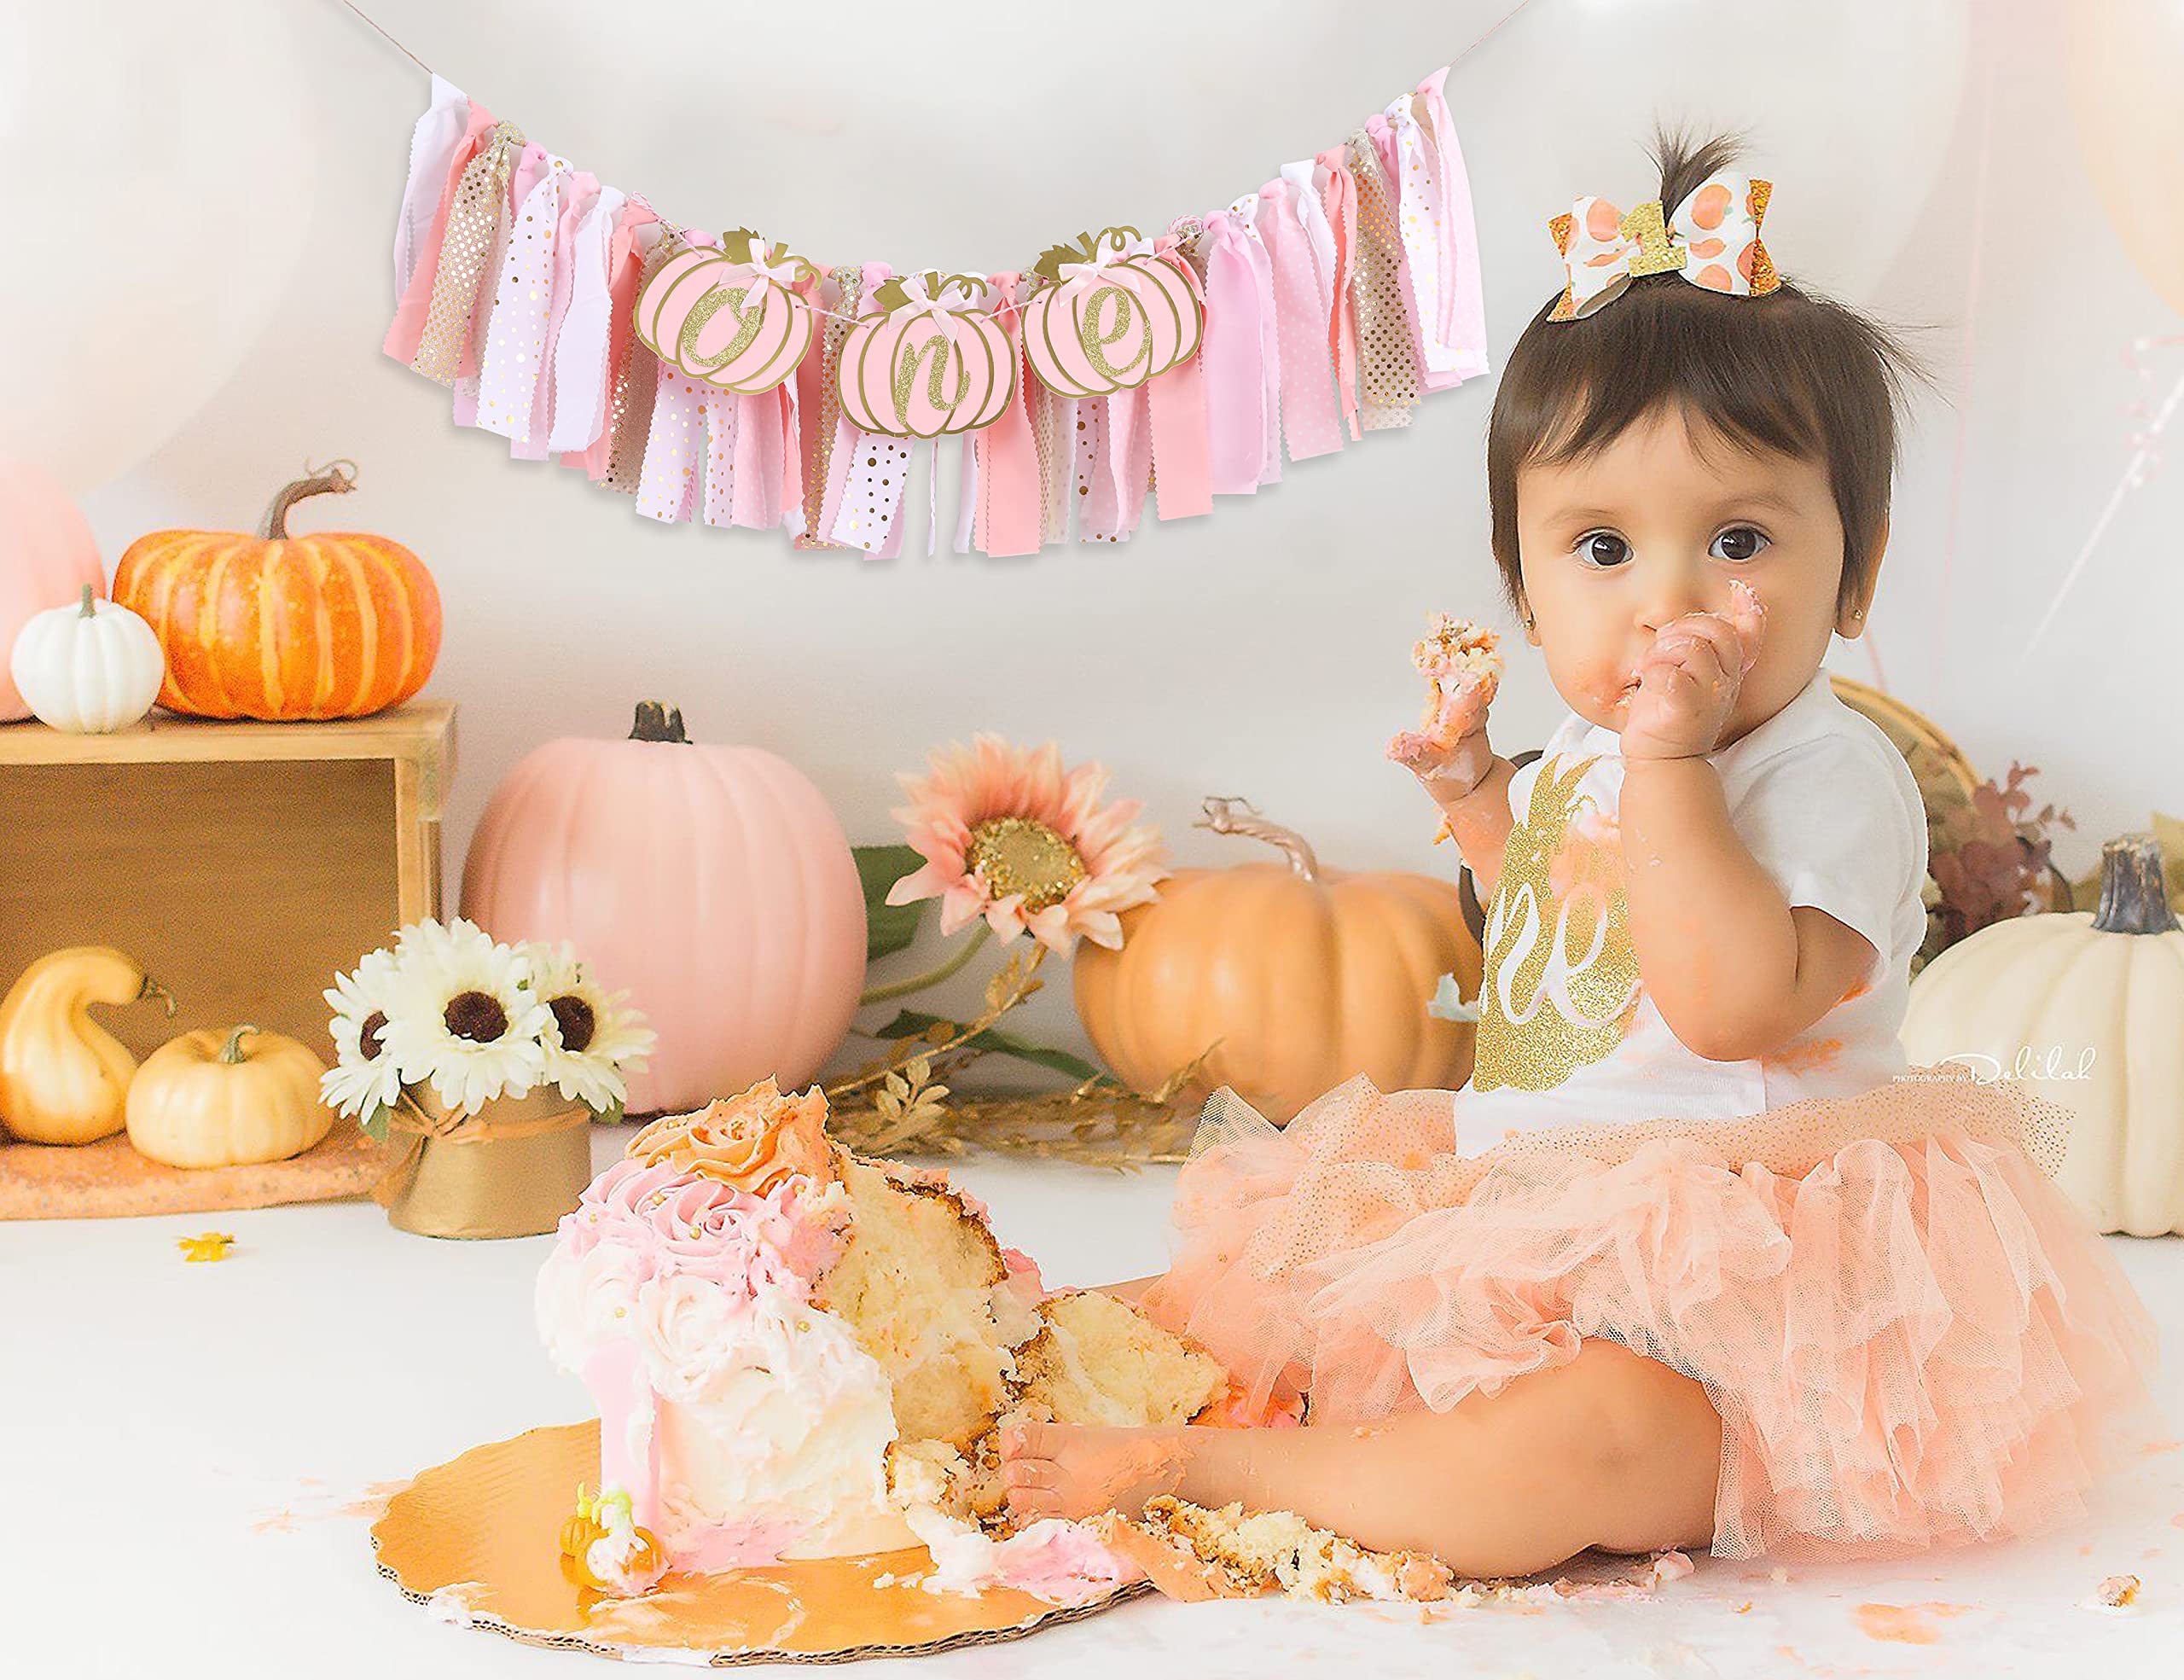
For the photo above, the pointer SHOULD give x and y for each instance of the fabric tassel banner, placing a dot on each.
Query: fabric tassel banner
(716, 378)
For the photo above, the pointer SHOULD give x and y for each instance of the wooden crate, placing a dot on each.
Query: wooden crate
(243, 865)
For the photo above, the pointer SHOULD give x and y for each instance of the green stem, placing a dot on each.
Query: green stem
(880, 994)
(232, 1052)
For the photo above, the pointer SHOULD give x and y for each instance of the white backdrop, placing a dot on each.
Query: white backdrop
(1258, 652)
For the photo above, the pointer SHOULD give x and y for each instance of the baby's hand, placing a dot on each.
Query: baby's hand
(1689, 678)
(1451, 755)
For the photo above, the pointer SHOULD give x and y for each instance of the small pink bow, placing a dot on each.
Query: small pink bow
(1712, 240)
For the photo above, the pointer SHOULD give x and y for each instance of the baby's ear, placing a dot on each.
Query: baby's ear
(1851, 615)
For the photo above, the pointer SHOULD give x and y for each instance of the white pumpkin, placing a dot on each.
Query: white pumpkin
(2084, 1006)
(88, 668)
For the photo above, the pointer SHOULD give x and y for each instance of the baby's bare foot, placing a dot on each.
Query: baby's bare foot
(1076, 1470)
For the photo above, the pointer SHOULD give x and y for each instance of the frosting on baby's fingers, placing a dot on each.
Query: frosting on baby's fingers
(1747, 616)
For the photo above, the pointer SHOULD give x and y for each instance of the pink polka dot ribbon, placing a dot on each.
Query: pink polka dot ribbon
(1712, 240)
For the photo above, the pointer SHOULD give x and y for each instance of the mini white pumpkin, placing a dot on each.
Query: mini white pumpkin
(2084, 1007)
(89, 668)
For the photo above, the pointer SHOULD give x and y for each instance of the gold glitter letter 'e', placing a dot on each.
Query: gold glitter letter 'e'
(1095, 342)
(1561, 973)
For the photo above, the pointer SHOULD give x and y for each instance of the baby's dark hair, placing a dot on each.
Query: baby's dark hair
(1789, 371)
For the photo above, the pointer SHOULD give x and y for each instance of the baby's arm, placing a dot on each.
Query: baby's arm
(1735, 970)
(1451, 755)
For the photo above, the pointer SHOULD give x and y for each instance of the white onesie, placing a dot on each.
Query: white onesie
(1567, 1031)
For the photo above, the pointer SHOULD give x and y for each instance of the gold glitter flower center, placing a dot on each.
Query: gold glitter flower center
(1018, 854)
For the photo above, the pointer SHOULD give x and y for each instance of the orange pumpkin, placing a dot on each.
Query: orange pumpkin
(1299, 976)
(339, 625)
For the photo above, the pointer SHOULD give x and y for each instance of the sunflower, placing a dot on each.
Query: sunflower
(1008, 834)
(365, 1077)
(464, 1019)
(592, 1036)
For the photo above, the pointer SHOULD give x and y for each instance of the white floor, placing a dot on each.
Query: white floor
(186, 1453)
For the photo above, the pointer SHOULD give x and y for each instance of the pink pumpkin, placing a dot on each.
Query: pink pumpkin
(712, 883)
(46, 558)
(1115, 322)
(920, 369)
(727, 315)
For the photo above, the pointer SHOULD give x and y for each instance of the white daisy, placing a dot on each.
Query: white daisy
(365, 1077)
(594, 1037)
(464, 1020)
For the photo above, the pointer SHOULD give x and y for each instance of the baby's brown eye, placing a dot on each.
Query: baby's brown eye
(1739, 542)
(1603, 548)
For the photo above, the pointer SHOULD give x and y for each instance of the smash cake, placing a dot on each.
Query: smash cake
(796, 1353)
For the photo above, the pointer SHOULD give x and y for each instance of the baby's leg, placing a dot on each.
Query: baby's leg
(1611, 1450)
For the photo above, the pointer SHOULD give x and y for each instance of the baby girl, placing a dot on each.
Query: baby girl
(1694, 1259)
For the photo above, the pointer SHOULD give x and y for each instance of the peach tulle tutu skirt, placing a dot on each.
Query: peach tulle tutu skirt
(1912, 1338)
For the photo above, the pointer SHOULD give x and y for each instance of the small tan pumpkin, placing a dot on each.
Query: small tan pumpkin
(1299, 976)
(205, 1099)
(2084, 1007)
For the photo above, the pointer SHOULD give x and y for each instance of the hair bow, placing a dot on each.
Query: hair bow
(1712, 240)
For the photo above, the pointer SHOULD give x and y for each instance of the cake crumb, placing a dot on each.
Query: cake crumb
(2116, 1595)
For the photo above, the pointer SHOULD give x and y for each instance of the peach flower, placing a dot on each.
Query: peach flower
(749, 1142)
(1008, 834)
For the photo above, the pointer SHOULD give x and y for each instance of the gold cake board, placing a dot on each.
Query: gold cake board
(478, 1535)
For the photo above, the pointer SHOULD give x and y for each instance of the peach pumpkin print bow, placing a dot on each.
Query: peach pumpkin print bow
(1712, 240)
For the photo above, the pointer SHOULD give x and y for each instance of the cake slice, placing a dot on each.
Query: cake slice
(797, 1353)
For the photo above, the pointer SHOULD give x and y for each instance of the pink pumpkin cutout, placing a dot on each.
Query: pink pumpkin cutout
(695, 314)
(46, 555)
(919, 370)
(712, 883)
(1114, 326)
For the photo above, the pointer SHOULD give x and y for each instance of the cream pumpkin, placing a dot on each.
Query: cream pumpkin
(2084, 1007)
(211, 1099)
(1297, 976)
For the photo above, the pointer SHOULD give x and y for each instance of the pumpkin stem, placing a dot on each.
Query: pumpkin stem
(87, 601)
(2134, 895)
(657, 721)
(1221, 818)
(232, 1052)
(319, 481)
(151, 988)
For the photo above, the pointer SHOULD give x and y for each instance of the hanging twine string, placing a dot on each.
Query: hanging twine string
(1185, 227)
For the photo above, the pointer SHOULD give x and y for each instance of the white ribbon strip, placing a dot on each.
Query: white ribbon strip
(674, 453)
(432, 150)
(523, 302)
(1418, 220)
(1304, 176)
(872, 498)
(580, 356)
(723, 410)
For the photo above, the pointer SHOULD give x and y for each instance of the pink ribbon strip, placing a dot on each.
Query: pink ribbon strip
(1183, 451)
(1308, 415)
(1232, 354)
(408, 325)
(1007, 454)
(1339, 198)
